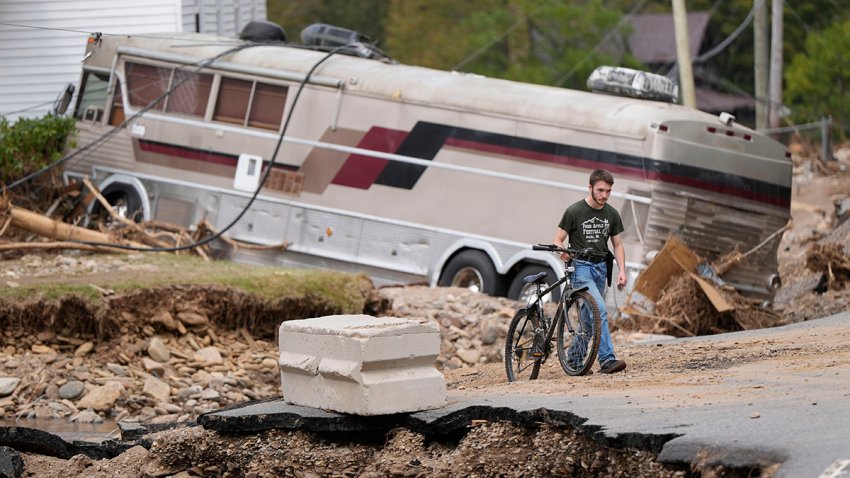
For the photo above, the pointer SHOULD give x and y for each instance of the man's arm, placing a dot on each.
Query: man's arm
(620, 256)
(560, 237)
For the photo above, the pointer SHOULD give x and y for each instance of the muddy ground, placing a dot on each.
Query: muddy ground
(169, 368)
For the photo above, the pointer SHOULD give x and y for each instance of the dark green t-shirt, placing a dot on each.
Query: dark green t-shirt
(589, 227)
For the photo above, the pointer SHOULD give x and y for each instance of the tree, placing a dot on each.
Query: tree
(364, 16)
(526, 40)
(818, 78)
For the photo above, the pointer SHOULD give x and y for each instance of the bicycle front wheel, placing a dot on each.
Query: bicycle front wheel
(519, 363)
(579, 329)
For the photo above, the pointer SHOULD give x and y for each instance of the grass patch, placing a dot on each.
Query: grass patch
(123, 274)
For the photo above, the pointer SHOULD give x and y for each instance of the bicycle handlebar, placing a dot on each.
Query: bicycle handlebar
(574, 253)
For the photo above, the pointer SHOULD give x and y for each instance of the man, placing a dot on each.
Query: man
(590, 223)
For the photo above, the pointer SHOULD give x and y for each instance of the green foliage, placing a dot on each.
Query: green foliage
(818, 78)
(524, 40)
(31, 144)
(364, 16)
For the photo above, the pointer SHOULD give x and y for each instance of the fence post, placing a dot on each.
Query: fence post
(825, 127)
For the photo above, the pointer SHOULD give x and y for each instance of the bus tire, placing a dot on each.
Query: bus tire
(473, 270)
(125, 202)
(519, 290)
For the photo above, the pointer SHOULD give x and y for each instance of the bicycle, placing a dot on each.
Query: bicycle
(529, 341)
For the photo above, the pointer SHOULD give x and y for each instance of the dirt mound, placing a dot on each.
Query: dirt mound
(170, 309)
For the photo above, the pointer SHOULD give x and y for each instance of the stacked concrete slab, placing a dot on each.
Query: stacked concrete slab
(361, 365)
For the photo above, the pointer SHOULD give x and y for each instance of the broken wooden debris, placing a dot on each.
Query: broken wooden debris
(115, 236)
(680, 294)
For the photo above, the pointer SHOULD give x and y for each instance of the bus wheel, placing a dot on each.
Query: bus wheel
(472, 270)
(125, 202)
(521, 291)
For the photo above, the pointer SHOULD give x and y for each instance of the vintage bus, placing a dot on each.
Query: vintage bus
(407, 173)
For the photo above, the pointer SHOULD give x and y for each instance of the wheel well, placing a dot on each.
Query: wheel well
(520, 265)
(129, 185)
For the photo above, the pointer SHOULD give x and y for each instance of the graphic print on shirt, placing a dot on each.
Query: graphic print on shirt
(595, 230)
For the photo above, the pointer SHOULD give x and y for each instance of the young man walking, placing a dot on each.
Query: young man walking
(590, 223)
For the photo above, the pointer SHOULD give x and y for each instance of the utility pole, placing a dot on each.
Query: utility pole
(683, 54)
(775, 64)
(760, 58)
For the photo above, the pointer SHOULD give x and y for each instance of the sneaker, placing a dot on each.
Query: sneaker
(613, 366)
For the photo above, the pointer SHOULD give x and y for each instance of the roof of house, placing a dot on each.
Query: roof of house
(653, 39)
(713, 101)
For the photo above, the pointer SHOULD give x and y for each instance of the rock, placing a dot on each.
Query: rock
(210, 394)
(470, 356)
(489, 333)
(202, 378)
(165, 319)
(209, 356)
(157, 389)
(192, 319)
(269, 363)
(102, 398)
(8, 385)
(41, 349)
(46, 336)
(71, 390)
(187, 392)
(84, 349)
(158, 351)
(169, 408)
(117, 369)
(87, 416)
(153, 366)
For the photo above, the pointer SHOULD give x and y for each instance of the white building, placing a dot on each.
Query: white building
(43, 41)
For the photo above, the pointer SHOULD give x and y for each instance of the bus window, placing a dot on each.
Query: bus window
(146, 83)
(232, 102)
(192, 95)
(117, 115)
(92, 97)
(267, 106)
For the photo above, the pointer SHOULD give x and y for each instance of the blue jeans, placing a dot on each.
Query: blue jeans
(595, 276)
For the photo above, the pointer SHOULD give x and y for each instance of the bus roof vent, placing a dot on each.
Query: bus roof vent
(327, 37)
(263, 32)
(621, 81)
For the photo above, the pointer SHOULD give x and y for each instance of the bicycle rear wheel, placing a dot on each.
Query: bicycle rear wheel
(579, 329)
(519, 363)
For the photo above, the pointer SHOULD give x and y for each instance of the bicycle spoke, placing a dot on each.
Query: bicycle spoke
(519, 362)
(578, 334)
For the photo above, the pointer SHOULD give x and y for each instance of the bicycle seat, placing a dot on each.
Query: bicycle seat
(535, 279)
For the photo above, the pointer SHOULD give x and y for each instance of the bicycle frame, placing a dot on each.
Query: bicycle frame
(531, 332)
(536, 301)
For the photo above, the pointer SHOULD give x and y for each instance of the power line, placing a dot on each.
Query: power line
(604, 40)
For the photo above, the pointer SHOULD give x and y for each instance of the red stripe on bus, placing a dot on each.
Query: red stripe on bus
(361, 171)
(633, 172)
(181, 152)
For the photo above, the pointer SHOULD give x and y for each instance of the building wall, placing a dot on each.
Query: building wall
(43, 41)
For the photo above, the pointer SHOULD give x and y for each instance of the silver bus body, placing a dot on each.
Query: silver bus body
(397, 169)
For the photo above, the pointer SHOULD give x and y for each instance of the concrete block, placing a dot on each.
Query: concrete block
(361, 365)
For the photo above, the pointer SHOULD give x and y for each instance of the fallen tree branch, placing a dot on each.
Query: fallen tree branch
(12, 246)
(44, 226)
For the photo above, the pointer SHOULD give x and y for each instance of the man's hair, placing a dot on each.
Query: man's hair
(601, 175)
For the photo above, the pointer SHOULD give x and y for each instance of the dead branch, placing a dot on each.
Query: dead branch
(12, 246)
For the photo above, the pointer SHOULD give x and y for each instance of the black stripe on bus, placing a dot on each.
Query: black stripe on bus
(427, 139)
